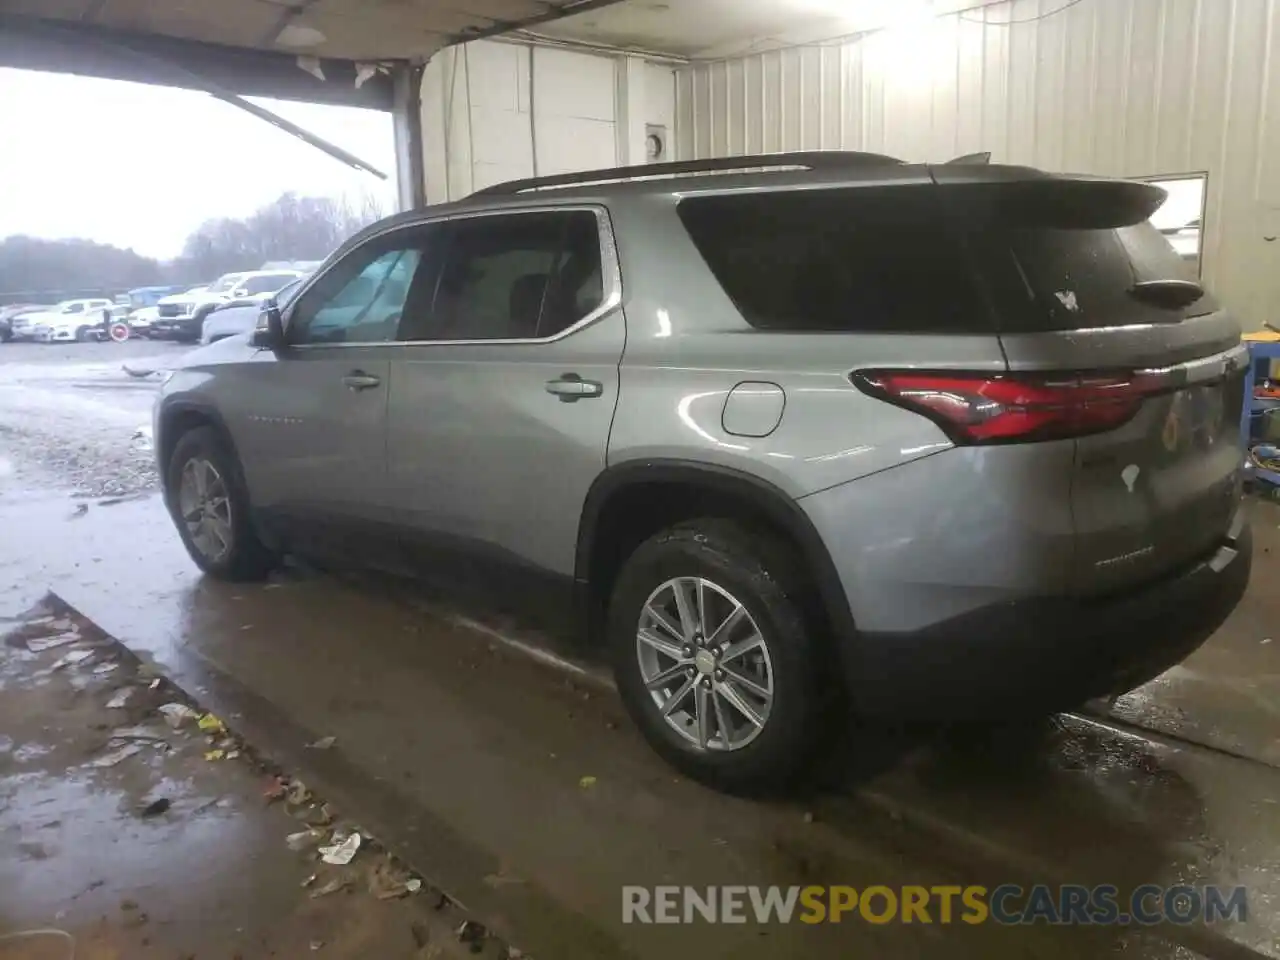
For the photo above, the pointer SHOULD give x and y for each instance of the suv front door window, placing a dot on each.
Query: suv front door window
(476, 436)
(316, 411)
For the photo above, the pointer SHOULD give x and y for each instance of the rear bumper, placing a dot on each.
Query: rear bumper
(1047, 654)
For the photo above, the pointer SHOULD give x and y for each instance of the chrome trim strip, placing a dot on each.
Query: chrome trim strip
(1202, 369)
(611, 276)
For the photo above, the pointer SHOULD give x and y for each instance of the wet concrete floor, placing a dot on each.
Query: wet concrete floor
(468, 759)
(122, 836)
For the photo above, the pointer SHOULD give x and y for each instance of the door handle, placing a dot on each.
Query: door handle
(570, 387)
(359, 380)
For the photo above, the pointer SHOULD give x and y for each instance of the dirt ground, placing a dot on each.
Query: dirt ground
(122, 836)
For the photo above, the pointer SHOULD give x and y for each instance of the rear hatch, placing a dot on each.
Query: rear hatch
(1097, 312)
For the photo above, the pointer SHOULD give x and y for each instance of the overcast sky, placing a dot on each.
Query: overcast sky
(141, 166)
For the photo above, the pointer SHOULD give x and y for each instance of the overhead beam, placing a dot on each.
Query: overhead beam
(92, 50)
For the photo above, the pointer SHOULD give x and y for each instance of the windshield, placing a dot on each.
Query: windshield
(224, 284)
(266, 283)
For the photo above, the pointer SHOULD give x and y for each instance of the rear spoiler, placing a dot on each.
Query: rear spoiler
(970, 158)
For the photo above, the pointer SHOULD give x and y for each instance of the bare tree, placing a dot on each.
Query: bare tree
(289, 228)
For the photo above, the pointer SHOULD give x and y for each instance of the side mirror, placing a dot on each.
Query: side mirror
(269, 333)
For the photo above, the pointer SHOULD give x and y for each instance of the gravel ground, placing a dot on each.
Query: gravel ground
(69, 413)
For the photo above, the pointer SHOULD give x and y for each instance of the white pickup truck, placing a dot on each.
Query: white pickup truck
(181, 316)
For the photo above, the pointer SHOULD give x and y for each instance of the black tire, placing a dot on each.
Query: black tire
(83, 334)
(246, 558)
(755, 568)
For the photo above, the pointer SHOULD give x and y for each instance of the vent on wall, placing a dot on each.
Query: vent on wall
(655, 143)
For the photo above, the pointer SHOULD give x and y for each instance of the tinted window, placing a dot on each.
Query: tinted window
(363, 297)
(517, 277)
(862, 259)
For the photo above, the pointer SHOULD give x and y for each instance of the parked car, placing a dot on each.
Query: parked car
(20, 323)
(67, 321)
(10, 311)
(240, 316)
(919, 441)
(181, 316)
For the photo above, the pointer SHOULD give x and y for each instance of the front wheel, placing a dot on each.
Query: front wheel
(210, 507)
(84, 334)
(714, 658)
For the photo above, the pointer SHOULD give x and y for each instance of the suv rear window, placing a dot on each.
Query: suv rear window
(1065, 255)
(871, 259)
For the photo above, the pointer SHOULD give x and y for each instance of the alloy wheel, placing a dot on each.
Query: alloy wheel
(705, 663)
(204, 504)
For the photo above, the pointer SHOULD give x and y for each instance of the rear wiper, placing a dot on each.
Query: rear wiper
(1171, 294)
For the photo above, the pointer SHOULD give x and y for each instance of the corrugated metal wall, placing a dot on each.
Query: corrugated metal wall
(1118, 87)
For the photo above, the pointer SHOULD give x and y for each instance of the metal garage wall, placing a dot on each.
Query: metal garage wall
(495, 111)
(1117, 87)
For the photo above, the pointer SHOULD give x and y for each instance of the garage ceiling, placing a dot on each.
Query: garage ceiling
(415, 29)
(346, 29)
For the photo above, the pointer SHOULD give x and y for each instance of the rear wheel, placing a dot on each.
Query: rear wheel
(713, 656)
(210, 506)
(84, 334)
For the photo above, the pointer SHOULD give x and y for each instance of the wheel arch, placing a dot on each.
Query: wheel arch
(704, 489)
(181, 416)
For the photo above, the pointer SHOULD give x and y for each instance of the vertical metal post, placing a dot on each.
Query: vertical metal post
(411, 177)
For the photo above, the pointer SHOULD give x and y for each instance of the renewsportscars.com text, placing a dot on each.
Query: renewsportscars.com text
(1008, 904)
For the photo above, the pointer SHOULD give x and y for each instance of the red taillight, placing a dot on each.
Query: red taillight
(982, 408)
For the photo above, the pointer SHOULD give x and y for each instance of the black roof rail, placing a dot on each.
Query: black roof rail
(807, 159)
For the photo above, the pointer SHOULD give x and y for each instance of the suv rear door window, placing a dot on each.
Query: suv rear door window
(518, 276)
(871, 259)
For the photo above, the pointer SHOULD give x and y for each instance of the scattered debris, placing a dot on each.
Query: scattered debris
(232, 754)
(316, 945)
(470, 932)
(387, 881)
(808, 816)
(71, 659)
(331, 886)
(324, 743)
(211, 724)
(212, 755)
(1267, 640)
(308, 881)
(156, 807)
(586, 783)
(176, 714)
(297, 793)
(120, 698)
(81, 510)
(102, 669)
(115, 756)
(514, 954)
(41, 644)
(303, 840)
(153, 684)
(340, 853)
(276, 790)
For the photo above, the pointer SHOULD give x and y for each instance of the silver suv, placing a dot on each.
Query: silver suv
(785, 435)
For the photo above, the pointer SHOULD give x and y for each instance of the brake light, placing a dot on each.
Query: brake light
(981, 408)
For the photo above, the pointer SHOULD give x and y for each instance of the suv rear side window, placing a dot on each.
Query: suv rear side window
(518, 276)
(861, 259)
